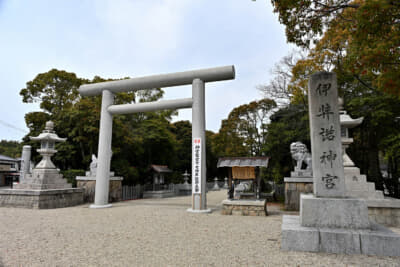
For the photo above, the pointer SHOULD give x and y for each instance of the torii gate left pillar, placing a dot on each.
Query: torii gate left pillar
(104, 152)
(197, 78)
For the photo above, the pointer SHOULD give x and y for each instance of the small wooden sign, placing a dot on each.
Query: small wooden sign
(5, 167)
(243, 173)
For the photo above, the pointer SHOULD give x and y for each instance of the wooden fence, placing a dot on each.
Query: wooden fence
(136, 191)
(132, 192)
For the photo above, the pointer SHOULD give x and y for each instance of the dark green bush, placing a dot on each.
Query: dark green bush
(71, 174)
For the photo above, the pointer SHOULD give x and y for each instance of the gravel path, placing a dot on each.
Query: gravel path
(154, 233)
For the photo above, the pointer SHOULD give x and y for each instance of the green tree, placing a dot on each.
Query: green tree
(375, 135)
(183, 135)
(359, 37)
(55, 90)
(306, 20)
(10, 148)
(359, 41)
(243, 132)
(288, 125)
(211, 157)
(77, 118)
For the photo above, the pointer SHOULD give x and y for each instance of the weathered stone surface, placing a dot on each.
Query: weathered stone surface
(41, 199)
(89, 186)
(384, 211)
(301, 173)
(298, 238)
(43, 179)
(244, 207)
(298, 180)
(301, 155)
(325, 135)
(358, 187)
(339, 241)
(333, 212)
(380, 241)
(376, 241)
(384, 203)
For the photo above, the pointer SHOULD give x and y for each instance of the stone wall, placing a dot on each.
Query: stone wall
(89, 186)
(292, 193)
(244, 207)
(384, 211)
(386, 216)
(41, 199)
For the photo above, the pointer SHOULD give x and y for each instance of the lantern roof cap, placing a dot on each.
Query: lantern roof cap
(48, 134)
(345, 119)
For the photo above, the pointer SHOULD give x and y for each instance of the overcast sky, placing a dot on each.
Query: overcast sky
(115, 39)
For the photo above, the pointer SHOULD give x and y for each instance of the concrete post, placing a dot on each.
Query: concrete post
(104, 153)
(199, 199)
(26, 161)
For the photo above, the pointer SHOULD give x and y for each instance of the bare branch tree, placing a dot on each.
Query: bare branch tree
(278, 87)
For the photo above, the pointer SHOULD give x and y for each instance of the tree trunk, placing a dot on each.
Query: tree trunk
(374, 172)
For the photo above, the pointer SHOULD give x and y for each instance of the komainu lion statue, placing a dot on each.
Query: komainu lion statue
(300, 154)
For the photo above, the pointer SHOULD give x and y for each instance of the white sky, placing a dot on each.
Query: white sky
(119, 38)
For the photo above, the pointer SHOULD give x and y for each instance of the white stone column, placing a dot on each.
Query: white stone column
(104, 153)
(199, 196)
(26, 161)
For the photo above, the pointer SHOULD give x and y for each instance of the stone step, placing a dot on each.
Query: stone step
(365, 194)
(379, 194)
(61, 181)
(356, 178)
(360, 194)
(357, 186)
(56, 186)
(356, 194)
(351, 171)
(375, 241)
(371, 187)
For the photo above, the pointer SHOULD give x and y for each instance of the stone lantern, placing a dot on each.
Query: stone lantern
(346, 123)
(186, 186)
(216, 186)
(44, 187)
(186, 177)
(357, 185)
(47, 146)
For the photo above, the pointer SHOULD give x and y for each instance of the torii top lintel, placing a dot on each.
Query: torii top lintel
(160, 80)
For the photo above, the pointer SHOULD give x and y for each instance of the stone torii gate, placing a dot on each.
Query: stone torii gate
(197, 78)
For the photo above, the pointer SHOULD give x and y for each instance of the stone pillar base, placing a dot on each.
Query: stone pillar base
(333, 212)
(89, 186)
(41, 199)
(198, 211)
(94, 206)
(337, 225)
(377, 240)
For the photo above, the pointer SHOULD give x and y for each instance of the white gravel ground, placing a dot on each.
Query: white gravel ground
(154, 233)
